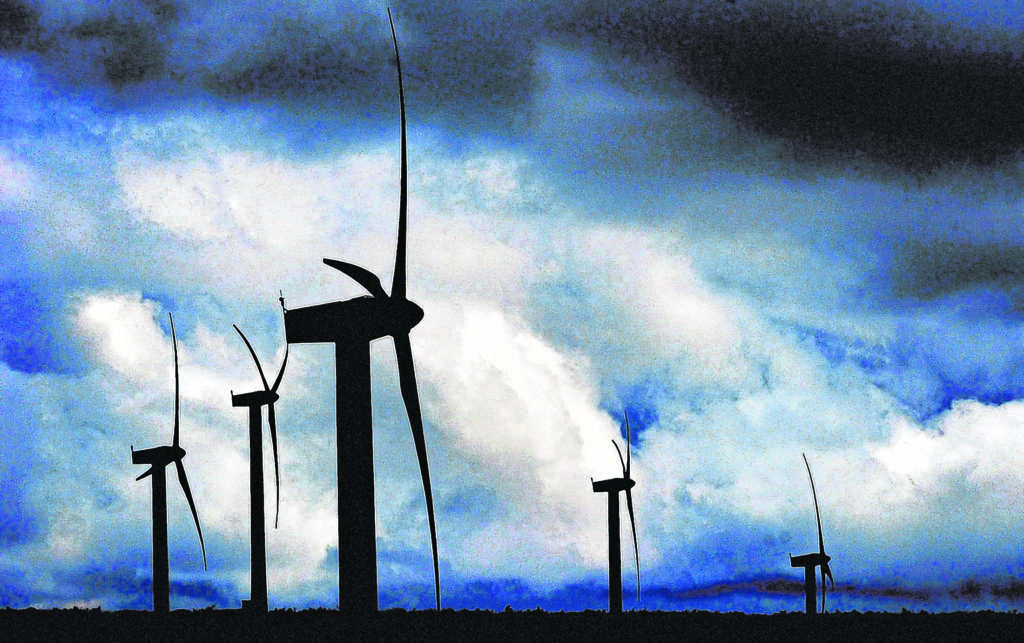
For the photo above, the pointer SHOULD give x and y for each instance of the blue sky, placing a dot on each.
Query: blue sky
(763, 228)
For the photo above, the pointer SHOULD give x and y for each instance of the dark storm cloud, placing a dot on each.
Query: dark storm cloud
(836, 80)
(841, 78)
(129, 51)
(463, 63)
(933, 270)
(19, 25)
(123, 44)
(288, 54)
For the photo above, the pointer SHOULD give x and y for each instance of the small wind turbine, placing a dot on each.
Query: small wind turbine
(256, 400)
(351, 325)
(810, 561)
(158, 458)
(612, 487)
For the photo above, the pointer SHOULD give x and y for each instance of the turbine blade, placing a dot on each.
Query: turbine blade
(822, 589)
(183, 481)
(177, 412)
(621, 461)
(254, 358)
(360, 275)
(146, 473)
(626, 415)
(398, 281)
(280, 373)
(407, 379)
(636, 546)
(827, 570)
(817, 514)
(272, 421)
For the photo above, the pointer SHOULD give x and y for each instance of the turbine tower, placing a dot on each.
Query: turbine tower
(255, 401)
(810, 561)
(158, 458)
(612, 487)
(351, 325)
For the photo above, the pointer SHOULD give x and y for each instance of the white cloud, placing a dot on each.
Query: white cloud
(16, 180)
(526, 419)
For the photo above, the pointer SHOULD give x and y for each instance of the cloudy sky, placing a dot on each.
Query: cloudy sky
(761, 228)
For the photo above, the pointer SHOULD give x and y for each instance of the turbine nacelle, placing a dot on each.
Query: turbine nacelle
(363, 318)
(157, 456)
(613, 485)
(255, 398)
(809, 560)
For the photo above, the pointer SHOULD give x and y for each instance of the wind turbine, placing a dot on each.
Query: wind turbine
(158, 458)
(612, 487)
(351, 325)
(256, 400)
(810, 561)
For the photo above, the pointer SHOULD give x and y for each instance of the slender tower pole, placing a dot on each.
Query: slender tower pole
(810, 590)
(257, 519)
(614, 556)
(357, 530)
(161, 567)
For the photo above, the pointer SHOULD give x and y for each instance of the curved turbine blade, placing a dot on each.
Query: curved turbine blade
(272, 421)
(254, 358)
(621, 461)
(407, 379)
(822, 589)
(398, 281)
(147, 472)
(360, 275)
(626, 415)
(636, 546)
(183, 481)
(817, 515)
(280, 373)
(174, 343)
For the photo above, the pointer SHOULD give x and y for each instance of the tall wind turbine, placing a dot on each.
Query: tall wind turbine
(158, 458)
(351, 325)
(255, 401)
(810, 561)
(612, 487)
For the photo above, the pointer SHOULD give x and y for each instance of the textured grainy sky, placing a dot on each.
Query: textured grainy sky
(761, 228)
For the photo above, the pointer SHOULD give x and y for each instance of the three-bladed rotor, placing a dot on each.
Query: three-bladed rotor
(267, 397)
(164, 455)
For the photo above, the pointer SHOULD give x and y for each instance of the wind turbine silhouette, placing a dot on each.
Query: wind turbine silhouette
(810, 561)
(158, 458)
(612, 487)
(351, 325)
(256, 400)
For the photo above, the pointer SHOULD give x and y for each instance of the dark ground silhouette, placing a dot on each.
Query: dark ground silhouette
(479, 625)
